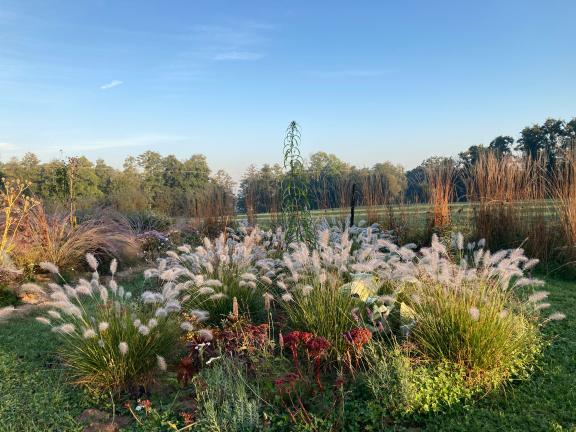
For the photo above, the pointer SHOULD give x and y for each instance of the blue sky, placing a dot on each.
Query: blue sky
(367, 80)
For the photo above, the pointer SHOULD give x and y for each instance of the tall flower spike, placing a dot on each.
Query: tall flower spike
(92, 261)
(113, 266)
(235, 308)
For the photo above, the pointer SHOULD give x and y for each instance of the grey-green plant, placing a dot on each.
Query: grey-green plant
(296, 215)
(225, 400)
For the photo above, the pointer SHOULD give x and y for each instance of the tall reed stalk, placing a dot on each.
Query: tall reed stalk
(373, 195)
(509, 193)
(564, 192)
(441, 178)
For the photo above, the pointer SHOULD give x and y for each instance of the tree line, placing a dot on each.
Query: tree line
(148, 182)
(334, 183)
(168, 185)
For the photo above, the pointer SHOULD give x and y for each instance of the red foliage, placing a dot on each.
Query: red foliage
(316, 348)
(358, 337)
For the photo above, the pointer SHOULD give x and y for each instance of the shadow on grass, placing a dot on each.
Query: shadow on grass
(33, 393)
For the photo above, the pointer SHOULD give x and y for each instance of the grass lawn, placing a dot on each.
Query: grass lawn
(35, 397)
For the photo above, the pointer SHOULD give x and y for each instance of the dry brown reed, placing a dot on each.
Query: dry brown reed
(373, 195)
(250, 193)
(214, 210)
(440, 179)
(564, 191)
(508, 194)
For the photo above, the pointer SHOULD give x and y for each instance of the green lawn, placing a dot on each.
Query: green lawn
(416, 213)
(35, 397)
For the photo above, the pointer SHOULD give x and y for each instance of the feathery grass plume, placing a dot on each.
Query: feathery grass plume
(31, 288)
(6, 312)
(187, 326)
(200, 315)
(205, 334)
(89, 334)
(143, 330)
(65, 328)
(557, 316)
(123, 348)
(161, 363)
(113, 266)
(538, 296)
(55, 314)
(474, 313)
(103, 294)
(49, 267)
(206, 291)
(103, 326)
(160, 313)
(267, 300)
(43, 320)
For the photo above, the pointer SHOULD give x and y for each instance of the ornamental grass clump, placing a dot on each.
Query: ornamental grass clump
(328, 290)
(111, 341)
(219, 271)
(56, 239)
(479, 314)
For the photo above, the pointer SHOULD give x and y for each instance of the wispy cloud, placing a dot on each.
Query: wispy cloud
(124, 142)
(208, 44)
(111, 84)
(6, 146)
(348, 73)
(238, 55)
(145, 141)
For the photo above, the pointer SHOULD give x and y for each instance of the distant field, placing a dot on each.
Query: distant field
(415, 213)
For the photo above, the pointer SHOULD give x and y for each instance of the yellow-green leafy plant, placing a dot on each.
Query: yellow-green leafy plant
(16, 207)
